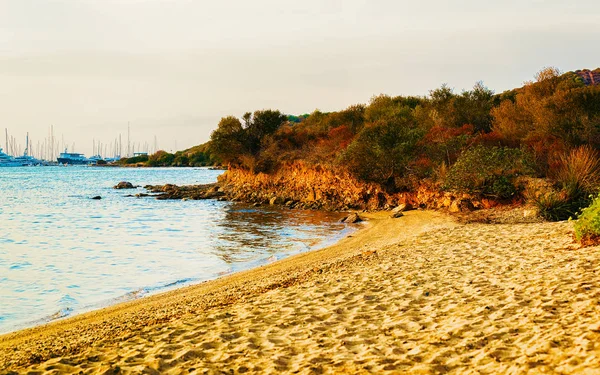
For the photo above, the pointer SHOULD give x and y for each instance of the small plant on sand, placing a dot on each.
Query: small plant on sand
(587, 226)
(556, 207)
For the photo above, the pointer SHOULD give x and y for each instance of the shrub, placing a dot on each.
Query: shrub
(554, 207)
(382, 151)
(489, 171)
(579, 172)
(587, 226)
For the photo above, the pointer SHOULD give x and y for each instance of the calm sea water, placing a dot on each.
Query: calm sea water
(62, 253)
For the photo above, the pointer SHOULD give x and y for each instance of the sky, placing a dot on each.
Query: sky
(173, 68)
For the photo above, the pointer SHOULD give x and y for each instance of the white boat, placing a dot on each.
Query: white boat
(27, 160)
(8, 161)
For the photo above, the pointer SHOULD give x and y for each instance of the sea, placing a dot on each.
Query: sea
(63, 253)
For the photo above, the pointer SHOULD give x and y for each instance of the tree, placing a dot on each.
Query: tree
(259, 125)
(383, 150)
(226, 142)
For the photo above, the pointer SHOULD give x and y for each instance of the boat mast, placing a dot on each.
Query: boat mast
(26, 145)
(128, 140)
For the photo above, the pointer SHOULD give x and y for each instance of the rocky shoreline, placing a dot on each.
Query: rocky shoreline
(313, 190)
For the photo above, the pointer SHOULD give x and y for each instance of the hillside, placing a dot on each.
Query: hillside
(438, 150)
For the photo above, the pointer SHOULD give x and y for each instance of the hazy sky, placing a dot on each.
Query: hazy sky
(174, 68)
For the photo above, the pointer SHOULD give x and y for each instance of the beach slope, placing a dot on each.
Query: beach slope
(417, 294)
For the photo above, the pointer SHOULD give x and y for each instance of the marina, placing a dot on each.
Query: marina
(45, 153)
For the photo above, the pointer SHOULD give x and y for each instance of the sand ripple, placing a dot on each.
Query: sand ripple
(470, 299)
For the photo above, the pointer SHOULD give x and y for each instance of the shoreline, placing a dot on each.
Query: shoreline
(273, 275)
(158, 289)
(420, 294)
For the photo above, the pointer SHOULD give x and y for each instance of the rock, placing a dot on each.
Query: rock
(454, 207)
(124, 185)
(447, 202)
(462, 205)
(404, 207)
(272, 201)
(397, 214)
(351, 219)
(141, 195)
(169, 187)
(97, 197)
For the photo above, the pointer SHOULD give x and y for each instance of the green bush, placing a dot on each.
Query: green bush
(587, 226)
(489, 171)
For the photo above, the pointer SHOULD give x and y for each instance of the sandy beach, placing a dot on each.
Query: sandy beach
(421, 294)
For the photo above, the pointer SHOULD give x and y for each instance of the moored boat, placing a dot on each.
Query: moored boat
(8, 161)
(72, 158)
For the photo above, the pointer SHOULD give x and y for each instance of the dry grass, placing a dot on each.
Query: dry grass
(579, 171)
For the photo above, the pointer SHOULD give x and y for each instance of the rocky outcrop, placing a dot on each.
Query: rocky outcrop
(301, 186)
(125, 185)
(351, 219)
(191, 192)
(298, 186)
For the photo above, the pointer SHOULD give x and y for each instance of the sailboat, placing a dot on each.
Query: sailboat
(26, 159)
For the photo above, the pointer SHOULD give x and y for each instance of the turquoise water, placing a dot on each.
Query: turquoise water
(63, 253)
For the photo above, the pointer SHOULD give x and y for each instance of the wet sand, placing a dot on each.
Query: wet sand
(418, 294)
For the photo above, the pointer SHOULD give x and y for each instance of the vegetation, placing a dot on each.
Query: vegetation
(577, 177)
(587, 227)
(489, 171)
(197, 156)
(474, 142)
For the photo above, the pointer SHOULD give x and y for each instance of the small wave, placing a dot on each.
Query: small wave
(174, 283)
(62, 313)
(142, 292)
(18, 266)
(67, 300)
(226, 272)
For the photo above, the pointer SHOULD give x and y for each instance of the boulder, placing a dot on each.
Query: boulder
(351, 219)
(97, 197)
(124, 185)
(462, 205)
(402, 207)
(396, 214)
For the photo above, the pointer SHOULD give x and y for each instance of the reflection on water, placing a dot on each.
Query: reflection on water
(63, 253)
(250, 234)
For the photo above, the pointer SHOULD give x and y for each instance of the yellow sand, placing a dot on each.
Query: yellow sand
(419, 294)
